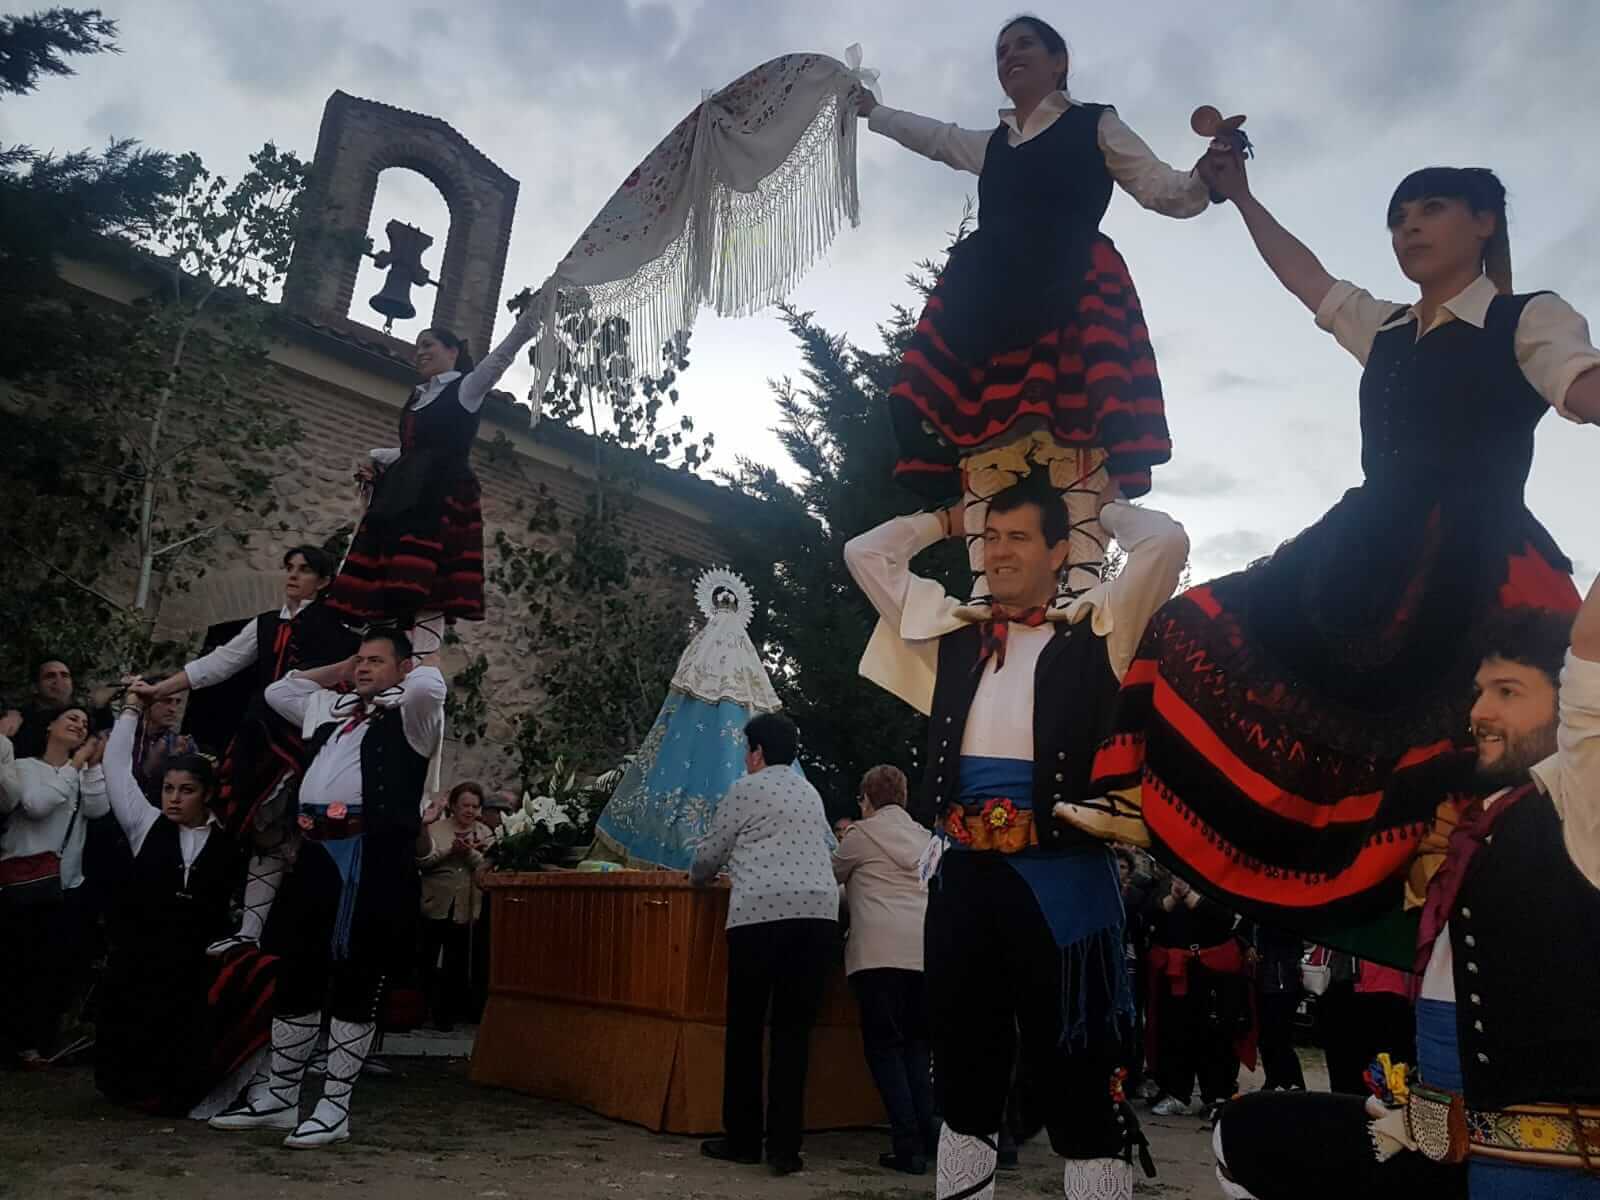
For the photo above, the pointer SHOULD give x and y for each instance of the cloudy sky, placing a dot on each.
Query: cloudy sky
(1343, 100)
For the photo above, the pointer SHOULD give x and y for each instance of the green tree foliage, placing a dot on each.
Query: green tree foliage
(139, 438)
(813, 622)
(34, 45)
(49, 204)
(598, 616)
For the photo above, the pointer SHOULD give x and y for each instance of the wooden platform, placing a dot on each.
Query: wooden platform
(609, 990)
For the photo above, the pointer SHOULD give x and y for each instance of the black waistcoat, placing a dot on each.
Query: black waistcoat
(1020, 273)
(435, 453)
(1074, 691)
(1451, 413)
(393, 775)
(163, 912)
(1050, 188)
(1525, 934)
(316, 638)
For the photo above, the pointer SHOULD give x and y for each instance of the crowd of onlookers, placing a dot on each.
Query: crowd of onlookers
(1212, 992)
(65, 865)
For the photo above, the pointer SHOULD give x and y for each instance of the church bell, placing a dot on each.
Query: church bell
(403, 260)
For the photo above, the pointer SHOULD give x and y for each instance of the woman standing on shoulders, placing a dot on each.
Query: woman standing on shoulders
(1032, 349)
(417, 557)
(1277, 723)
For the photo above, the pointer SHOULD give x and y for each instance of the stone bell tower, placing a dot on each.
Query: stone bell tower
(358, 140)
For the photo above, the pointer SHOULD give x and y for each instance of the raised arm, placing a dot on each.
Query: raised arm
(1157, 547)
(1149, 180)
(1583, 397)
(421, 704)
(962, 149)
(487, 373)
(1572, 774)
(1290, 260)
(134, 813)
(879, 560)
(291, 697)
(10, 780)
(220, 664)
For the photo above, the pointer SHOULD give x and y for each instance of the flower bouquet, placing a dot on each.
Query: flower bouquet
(554, 825)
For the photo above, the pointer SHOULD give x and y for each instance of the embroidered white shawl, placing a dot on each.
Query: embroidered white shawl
(729, 210)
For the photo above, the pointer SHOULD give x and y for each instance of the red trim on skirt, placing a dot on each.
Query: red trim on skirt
(1092, 381)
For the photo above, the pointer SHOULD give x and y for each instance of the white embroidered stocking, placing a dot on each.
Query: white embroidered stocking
(1098, 1179)
(966, 1166)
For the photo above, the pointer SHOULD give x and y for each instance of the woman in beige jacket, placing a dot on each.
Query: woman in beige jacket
(877, 863)
(450, 857)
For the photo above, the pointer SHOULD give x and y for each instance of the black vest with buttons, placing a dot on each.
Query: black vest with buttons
(1431, 407)
(1525, 934)
(393, 775)
(1021, 272)
(1074, 690)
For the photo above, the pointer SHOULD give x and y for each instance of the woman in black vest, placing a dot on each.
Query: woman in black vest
(172, 1025)
(1283, 722)
(417, 556)
(1033, 346)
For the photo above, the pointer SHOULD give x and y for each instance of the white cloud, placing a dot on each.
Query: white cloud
(1343, 101)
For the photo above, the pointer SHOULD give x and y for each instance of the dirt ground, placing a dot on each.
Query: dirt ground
(426, 1131)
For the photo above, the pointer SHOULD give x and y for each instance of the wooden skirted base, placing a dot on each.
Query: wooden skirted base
(609, 990)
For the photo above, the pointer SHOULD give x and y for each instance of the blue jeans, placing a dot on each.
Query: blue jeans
(894, 1033)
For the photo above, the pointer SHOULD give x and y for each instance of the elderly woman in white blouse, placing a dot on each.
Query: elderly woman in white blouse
(46, 803)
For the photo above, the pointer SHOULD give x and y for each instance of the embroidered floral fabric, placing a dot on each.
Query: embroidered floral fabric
(728, 210)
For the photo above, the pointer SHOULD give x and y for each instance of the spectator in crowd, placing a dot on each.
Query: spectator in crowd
(52, 691)
(1278, 955)
(450, 858)
(1199, 1002)
(841, 826)
(175, 1026)
(771, 833)
(496, 808)
(158, 739)
(888, 903)
(1141, 895)
(46, 802)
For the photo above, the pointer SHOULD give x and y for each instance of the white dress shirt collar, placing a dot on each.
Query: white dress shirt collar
(1470, 304)
(426, 392)
(1041, 118)
(289, 612)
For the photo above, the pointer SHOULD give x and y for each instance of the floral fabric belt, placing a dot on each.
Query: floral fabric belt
(1533, 1135)
(995, 824)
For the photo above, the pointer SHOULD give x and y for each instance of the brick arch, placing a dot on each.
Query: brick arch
(359, 140)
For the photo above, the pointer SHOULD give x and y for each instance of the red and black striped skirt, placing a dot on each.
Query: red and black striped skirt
(1089, 379)
(1292, 729)
(397, 569)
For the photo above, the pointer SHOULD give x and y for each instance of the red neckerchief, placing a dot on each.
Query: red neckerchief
(364, 711)
(1470, 835)
(993, 632)
(280, 648)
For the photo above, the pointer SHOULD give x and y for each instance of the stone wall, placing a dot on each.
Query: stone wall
(347, 402)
